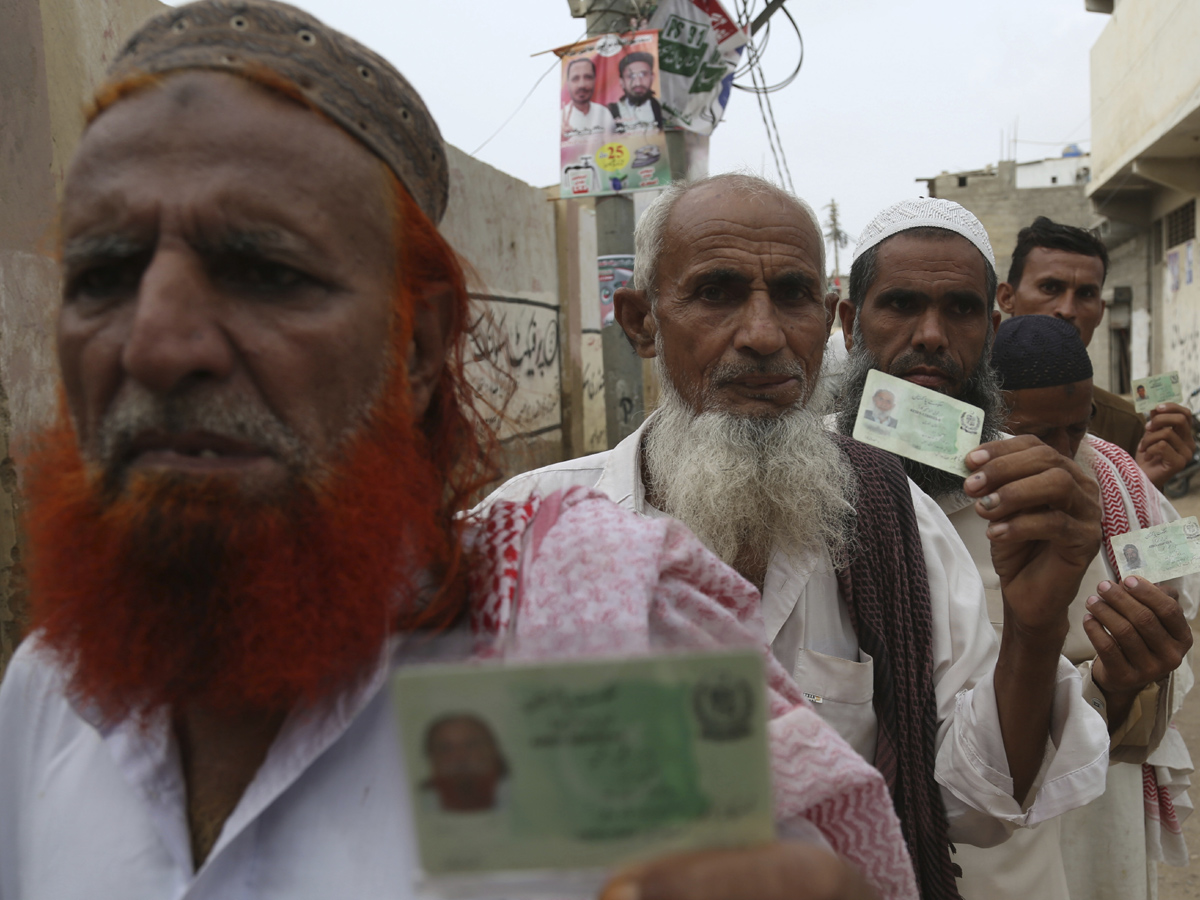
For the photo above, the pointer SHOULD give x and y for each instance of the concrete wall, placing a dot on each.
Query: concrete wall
(506, 231)
(52, 55)
(1145, 75)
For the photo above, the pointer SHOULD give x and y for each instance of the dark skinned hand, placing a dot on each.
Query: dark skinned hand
(1168, 443)
(1139, 632)
(777, 871)
(1045, 526)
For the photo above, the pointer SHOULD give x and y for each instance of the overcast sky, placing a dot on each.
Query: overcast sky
(888, 92)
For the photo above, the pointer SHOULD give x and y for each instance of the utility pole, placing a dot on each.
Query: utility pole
(624, 401)
(836, 236)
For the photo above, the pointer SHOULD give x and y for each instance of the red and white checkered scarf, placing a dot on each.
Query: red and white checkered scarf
(1125, 500)
(573, 574)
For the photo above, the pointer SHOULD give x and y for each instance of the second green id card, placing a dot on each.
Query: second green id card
(1149, 392)
(1159, 553)
(914, 422)
(584, 764)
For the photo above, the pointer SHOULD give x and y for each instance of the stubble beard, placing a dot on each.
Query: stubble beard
(746, 485)
(981, 388)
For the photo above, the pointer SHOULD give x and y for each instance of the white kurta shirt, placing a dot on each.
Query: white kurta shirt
(597, 120)
(100, 813)
(809, 628)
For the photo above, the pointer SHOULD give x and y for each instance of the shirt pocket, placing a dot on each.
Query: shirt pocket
(841, 691)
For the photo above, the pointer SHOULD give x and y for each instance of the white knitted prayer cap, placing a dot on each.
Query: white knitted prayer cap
(925, 212)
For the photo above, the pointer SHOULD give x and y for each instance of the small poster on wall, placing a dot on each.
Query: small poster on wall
(616, 272)
(611, 135)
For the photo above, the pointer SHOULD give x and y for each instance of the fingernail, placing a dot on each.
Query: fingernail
(977, 480)
(990, 501)
(1104, 587)
(997, 530)
(979, 456)
(1131, 582)
(1162, 407)
(1087, 617)
(1092, 600)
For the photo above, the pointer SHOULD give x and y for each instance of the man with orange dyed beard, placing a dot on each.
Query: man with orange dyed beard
(246, 510)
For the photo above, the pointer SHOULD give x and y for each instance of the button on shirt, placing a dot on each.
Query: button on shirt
(809, 628)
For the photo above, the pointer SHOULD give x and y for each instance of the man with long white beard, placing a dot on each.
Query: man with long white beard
(922, 307)
(869, 598)
(245, 516)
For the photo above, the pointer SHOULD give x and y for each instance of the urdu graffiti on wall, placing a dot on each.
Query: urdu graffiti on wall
(513, 362)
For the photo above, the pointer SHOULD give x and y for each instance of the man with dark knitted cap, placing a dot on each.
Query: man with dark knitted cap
(1126, 637)
(1059, 270)
(245, 516)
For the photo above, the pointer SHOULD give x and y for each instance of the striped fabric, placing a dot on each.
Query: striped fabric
(887, 591)
(1122, 491)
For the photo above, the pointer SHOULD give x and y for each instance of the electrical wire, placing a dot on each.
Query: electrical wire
(763, 95)
(756, 51)
(554, 65)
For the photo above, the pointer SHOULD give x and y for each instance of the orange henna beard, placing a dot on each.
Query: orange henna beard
(183, 591)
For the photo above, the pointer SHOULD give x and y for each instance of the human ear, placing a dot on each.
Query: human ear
(846, 312)
(427, 348)
(831, 302)
(1004, 297)
(631, 308)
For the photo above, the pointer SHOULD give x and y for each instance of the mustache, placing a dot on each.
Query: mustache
(137, 412)
(943, 362)
(724, 373)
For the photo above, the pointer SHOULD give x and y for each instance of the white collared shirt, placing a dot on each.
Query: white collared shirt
(809, 628)
(99, 813)
(597, 120)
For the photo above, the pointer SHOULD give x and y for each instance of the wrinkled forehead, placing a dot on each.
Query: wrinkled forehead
(931, 253)
(202, 137)
(721, 223)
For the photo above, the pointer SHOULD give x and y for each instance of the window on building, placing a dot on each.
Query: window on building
(962, 180)
(1181, 224)
(1053, 178)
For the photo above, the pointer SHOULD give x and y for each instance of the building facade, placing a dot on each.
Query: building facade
(1145, 86)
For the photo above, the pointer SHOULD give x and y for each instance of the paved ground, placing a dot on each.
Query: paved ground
(1184, 884)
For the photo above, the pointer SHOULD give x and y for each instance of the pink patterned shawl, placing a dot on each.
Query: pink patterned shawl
(574, 573)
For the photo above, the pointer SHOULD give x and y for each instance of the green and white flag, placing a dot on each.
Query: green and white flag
(699, 46)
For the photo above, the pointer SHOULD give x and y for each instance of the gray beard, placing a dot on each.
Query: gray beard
(981, 389)
(746, 484)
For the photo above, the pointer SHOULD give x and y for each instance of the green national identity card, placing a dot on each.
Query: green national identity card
(1149, 392)
(584, 764)
(917, 423)
(1159, 553)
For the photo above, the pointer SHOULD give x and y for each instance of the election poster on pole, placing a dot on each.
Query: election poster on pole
(611, 134)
